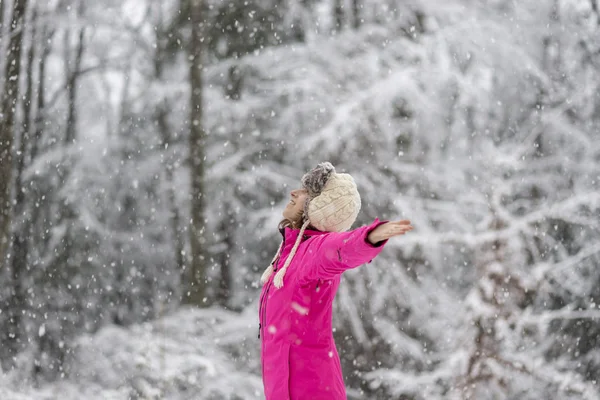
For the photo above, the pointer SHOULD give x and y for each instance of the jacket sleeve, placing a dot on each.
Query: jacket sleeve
(334, 253)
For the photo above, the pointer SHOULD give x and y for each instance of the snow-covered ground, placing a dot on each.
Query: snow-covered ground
(192, 354)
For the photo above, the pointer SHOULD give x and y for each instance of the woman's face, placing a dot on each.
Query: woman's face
(294, 209)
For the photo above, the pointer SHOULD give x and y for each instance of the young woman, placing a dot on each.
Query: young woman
(298, 353)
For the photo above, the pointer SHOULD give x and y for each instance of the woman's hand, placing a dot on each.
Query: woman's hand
(389, 230)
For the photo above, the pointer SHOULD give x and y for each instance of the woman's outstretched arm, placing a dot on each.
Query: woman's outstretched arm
(388, 230)
(334, 253)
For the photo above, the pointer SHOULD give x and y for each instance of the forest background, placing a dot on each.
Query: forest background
(147, 148)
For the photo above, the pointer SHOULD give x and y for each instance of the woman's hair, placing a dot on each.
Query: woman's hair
(288, 223)
(295, 222)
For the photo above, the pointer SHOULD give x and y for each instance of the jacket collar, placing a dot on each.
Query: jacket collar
(291, 235)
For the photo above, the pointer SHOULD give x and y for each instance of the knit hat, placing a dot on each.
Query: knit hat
(334, 201)
(332, 206)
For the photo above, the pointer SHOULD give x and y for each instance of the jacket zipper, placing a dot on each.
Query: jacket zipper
(260, 308)
(264, 309)
(263, 303)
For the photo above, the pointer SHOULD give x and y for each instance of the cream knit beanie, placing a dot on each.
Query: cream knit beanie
(336, 206)
(332, 206)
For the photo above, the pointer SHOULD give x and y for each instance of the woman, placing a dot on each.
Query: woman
(298, 353)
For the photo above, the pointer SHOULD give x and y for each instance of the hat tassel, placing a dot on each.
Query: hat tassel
(278, 281)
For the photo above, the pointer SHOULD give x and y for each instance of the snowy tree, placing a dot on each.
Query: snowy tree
(478, 121)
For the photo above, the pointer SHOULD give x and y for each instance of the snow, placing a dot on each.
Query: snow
(478, 121)
(185, 355)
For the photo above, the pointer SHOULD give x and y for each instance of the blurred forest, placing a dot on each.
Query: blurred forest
(147, 148)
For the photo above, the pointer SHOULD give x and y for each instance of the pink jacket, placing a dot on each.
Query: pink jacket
(298, 355)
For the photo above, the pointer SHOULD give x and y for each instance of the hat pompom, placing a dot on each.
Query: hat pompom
(315, 180)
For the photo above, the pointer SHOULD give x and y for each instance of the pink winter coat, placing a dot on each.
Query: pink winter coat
(298, 355)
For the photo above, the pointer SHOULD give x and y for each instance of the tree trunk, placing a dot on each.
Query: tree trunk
(356, 6)
(225, 281)
(8, 106)
(37, 128)
(594, 4)
(20, 242)
(162, 44)
(3, 6)
(72, 82)
(338, 15)
(175, 219)
(169, 174)
(25, 138)
(40, 98)
(194, 278)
